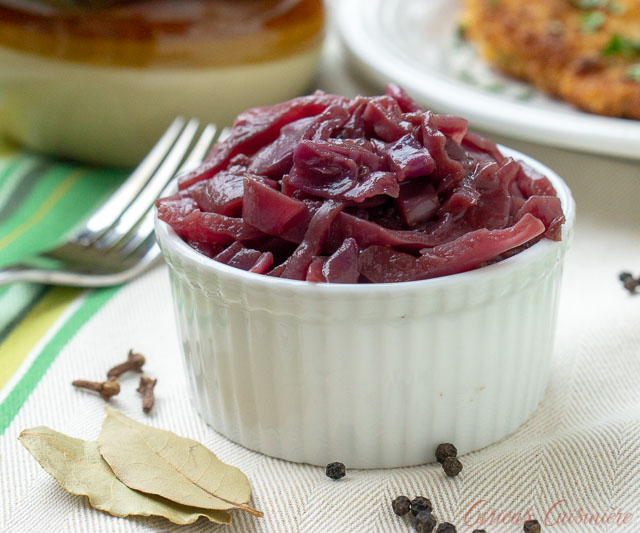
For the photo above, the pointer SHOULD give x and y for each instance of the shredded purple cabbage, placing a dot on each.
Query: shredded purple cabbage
(368, 190)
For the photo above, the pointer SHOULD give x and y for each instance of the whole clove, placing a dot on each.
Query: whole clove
(452, 466)
(106, 389)
(532, 526)
(145, 388)
(134, 362)
(444, 450)
(335, 470)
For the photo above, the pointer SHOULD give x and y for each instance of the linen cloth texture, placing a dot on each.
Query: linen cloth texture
(580, 448)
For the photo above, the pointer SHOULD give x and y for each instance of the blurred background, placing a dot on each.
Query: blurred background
(88, 86)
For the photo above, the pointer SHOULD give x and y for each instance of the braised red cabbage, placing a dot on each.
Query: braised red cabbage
(368, 190)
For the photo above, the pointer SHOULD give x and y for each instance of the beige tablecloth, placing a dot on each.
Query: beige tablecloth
(577, 458)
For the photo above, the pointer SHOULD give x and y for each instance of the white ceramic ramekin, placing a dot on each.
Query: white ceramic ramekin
(371, 375)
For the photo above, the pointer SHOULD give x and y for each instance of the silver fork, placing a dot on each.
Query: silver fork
(116, 243)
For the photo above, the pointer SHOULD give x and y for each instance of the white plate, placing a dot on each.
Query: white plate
(415, 44)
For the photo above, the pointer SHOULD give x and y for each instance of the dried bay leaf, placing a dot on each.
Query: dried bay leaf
(160, 462)
(80, 469)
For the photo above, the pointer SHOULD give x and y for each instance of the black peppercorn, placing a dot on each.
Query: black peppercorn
(424, 522)
(336, 470)
(629, 282)
(452, 466)
(478, 531)
(444, 450)
(624, 276)
(401, 505)
(446, 527)
(419, 504)
(532, 526)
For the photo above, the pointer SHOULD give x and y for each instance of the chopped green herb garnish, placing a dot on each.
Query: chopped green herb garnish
(619, 45)
(588, 4)
(593, 21)
(615, 8)
(466, 76)
(494, 2)
(633, 72)
(525, 96)
(616, 45)
(609, 5)
(496, 87)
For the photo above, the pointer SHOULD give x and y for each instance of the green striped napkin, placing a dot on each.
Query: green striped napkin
(41, 200)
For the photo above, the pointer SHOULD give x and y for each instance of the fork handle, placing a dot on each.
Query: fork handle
(72, 279)
(36, 275)
(14, 274)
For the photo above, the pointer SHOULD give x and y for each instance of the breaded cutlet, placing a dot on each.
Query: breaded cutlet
(586, 52)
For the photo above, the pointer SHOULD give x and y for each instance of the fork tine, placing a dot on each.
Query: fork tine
(141, 233)
(147, 196)
(132, 254)
(224, 134)
(201, 148)
(109, 212)
(145, 228)
(80, 261)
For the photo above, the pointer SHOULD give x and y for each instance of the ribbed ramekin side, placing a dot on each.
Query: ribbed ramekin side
(189, 334)
(316, 377)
